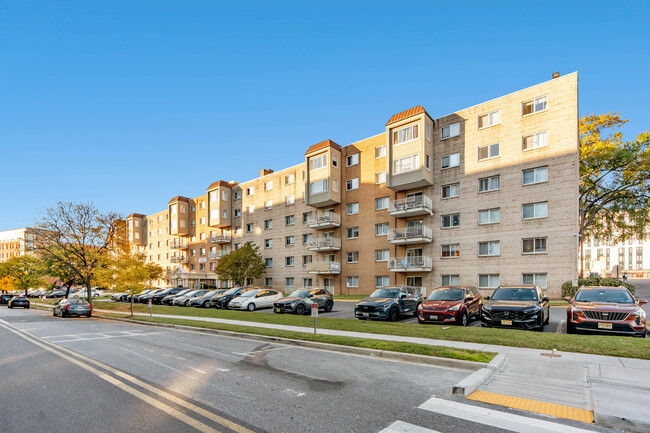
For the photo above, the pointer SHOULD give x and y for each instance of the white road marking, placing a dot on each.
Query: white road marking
(404, 427)
(221, 369)
(495, 418)
(211, 351)
(560, 326)
(181, 358)
(159, 363)
(261, 351)
(196, 369)
(100, 338)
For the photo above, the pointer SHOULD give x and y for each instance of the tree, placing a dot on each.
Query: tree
(6, 282)
(23, 271)
(81, 239)
(240, 265)
(57, 269)
(614, 180)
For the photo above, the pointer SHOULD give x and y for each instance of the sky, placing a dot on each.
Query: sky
(127, 104)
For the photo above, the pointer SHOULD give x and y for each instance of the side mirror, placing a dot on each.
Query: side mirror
(402, 296)
(643, 301)
(567, 298)
(487, 298)
(310, 295)
(469, 298)
(545, 299)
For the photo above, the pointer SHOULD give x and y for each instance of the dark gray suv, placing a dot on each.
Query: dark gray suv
(301, 301)
(389, 303)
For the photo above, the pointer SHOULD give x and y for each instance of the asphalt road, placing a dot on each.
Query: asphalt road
(80, 374)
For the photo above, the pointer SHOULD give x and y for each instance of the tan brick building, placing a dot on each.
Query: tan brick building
(13, 242)
(487, 195)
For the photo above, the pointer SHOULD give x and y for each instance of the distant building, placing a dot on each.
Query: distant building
(606, 258)
(12, 242)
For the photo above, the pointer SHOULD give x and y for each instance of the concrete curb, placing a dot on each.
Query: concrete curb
(468, 385)
(373, 353)
(497, 362)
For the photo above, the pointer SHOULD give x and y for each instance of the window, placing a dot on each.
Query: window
(306, 216)
(289, 200)
(639, 257)
(249, 227)
(539, 279)
(428, 130)
(318, 187)
(450, 250)
(381, 203)
(381, 281)
(251, 208)
(488, 281)
(406, 164)
(489, 151)
(489, 216)
(288, 241)
(317, 162)
(192, 224)
(381, 229)
(268, 243)
(237, 212)
(535, 105)
(535, 210)
(450, 191)
(237, 229)
(201, 220)
(268, 281)
(449, 131)
(449, 280)
(428, 162)
(212, 266)
(289, 281)
(353, 256)
(352, 281)
(289, 220)
(224, 213)
(351, 160)
(250, 191)
(352, 208)
(236, 195)
(352, 184)
(288, 261)
(268, 205)
(202, 251)
(449, 221)
(489, 119)
(192, 209)
(306, 260)
(335, 185)
(268, 262)
(380, 177)
(490, 248)
(534, 175)
(381, 255)
(488, 184)
(405, 134)
(268, 224)
(289, 179)
(539, 139)
(224, 195)
(353, 232)
(202, 236)
(192, 253)
(268, 186)
(450, 161)
(335, 160)
(380, 151)
(534, 246)
(306, 238)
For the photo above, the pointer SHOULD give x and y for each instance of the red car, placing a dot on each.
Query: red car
(611, 310)
(452, 304)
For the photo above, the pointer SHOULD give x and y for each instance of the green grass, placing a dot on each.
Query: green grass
(349, 297)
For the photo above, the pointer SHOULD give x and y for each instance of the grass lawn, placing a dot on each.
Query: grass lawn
(595, 344)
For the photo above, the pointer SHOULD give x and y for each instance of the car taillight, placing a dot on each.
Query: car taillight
(67, 307)
(90, 306)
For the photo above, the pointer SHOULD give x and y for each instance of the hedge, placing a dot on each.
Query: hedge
(569, 290)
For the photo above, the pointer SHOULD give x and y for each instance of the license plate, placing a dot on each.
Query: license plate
(433, 317)
(277, 310)
(604, 326)
(506, 322)
(365, 314)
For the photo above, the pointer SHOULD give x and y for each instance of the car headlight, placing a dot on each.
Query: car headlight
(420, 307)
(455, 308)
(574, 313)
(531, 310)
(487, 307)
(639, 315)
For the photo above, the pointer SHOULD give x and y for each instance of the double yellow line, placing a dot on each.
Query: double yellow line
(87, 364)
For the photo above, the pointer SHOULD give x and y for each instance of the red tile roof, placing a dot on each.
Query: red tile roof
(219, 183)
(323, 145)
(179, 198)
(406, 114)
(136, 215)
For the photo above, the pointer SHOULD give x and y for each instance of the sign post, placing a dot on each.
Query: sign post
(150, 315)
(314, 314)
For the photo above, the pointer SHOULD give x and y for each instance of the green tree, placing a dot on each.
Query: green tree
(57, 269)
(129, 272)
(24, 271)
(240, 265)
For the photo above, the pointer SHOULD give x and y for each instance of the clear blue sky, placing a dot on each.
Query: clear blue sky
(129, 103)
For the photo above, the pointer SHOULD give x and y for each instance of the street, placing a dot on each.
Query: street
(84, 374)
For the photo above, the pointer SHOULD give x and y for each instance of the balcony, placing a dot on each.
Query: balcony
(178, 245)
(325, 220)
(411, 206)
(178, 259)
(410, 235)
(410, 264)
(216, 255)
(324, 244)
(324, 268)
(220, 239)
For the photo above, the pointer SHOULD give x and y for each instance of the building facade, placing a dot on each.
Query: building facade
(608, 259)
(484, 196)
(12, 242)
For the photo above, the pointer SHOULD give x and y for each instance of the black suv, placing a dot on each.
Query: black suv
(522, 306)
(389, 303)
(158, 297)
(4, 299)
(301, 301)
(224, 299)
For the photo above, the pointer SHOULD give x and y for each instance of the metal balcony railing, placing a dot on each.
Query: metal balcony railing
(216, 255)
(178, 259)
(324, 220)
(178, 245)
(324, 268)
(420, 205)
(324, 244)
(220, 239)
(410, 264)
(410, 235)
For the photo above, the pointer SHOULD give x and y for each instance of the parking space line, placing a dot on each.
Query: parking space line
(560, 326)
(405, 427)
(157, 362)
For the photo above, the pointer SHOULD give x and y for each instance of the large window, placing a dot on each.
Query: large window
(381, 255)
(351, 160)
(450, 280)
(489, 151)
(316, 162)
(535, 105)
(449, 131)
(405, 134)
(288, 241)
(352, 208)
(539, 279)
(381, 229)
(450, 191)
(407, 163)
(352, 232)
(488, 281)
(450, 250)
(533, 246)
(380, 151)
(489, 119)
(449, 221)
(534, 210)
(450, 161)
(487, 184)
(381, 281)
(489, 248)
(533, 141)
(489, 216)
(380, 177)
(289, 261)
(352, 281)
(534, 175)
(381, 203)
(318, 187)
(352, 256)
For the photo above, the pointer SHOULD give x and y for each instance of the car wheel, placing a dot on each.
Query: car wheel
(415, 313)
(570, 328)
(10, 306)
(328, 306)
(362, 318)
(62, 314)
(250, 307)
(89, 315)
(393, 314)
(463, 319)
(300, 309)
(53, 312)
(27, 307)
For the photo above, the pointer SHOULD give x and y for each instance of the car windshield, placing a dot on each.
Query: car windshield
(515, 294)
(385, 293)
(211, 292)
(249, 294)
(77, 301)
(199, 293)
(299, 294)
(232, 291)
(446, 295)
(604, 295)
(182, 292)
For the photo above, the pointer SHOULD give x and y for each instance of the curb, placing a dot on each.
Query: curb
(372, 353)
(497, 362)
(468, 385)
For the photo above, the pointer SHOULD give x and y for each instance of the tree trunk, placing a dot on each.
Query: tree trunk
(582, 262)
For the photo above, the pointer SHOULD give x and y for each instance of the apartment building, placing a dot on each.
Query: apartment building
(485, 196)
(608, 259)
(12, 242)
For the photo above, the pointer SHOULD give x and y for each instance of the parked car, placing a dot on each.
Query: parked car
(453, 304)
(224, 299)
(201, 301)
(254, 299)
(522, 306)
(145, 298)
(137, 296)
(55, 294)
(183, 300)
(156, 298)
(18, 301)
(611, 310)
(169, 299)
(84, 294)
(4, 299)
(72, 307)
(389, 303)
(300, 301)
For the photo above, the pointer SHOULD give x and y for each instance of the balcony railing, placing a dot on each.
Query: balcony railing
(324, 220)
(410, 235)
(220, 239)
(324, 244)
(410, 264)
(178, 245)
(411, 206)
(216, 255)
(324, 268)
(178, 259)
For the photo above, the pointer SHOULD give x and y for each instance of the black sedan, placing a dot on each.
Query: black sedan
(224, 299)
(18, 301)
(301, 301)
(72, 307)
(169, 299)
(523, 306)
(4, 299)
(202, 301)
(158, 297)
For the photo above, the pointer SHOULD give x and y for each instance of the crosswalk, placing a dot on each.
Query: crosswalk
(481, 415)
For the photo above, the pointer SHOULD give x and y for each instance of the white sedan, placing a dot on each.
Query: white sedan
(256, 298)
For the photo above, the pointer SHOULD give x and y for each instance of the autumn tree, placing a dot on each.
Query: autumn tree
(23, 271)
(57, 269)
(240, 265)
(6, 282)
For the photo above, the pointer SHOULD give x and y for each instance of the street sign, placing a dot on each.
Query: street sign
(574, 283)
(314, 310)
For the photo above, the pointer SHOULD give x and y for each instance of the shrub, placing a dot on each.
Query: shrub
(569, 290)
